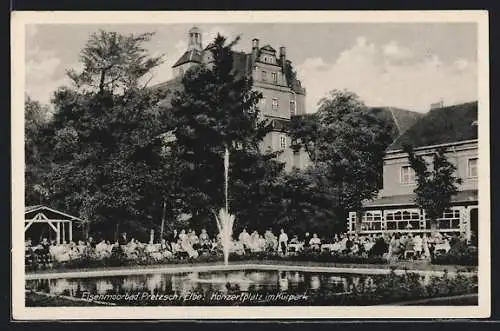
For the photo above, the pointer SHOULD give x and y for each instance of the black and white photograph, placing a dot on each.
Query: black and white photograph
(250, 165)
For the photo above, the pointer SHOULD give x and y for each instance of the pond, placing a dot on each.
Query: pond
(241, 287)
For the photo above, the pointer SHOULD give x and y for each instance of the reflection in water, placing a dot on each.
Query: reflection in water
(283, 281)
(315, 283)
(204, 282)
(104, 286)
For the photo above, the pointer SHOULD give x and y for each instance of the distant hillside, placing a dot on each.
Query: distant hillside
(440, 126)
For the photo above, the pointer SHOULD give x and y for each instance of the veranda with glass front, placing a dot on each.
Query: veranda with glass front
(458, 219)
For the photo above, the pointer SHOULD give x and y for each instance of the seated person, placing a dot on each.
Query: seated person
(348, 244)
(271, 241)
(194, 240)
(418, 245)
(244, 238)
(205, 240)
(188, 248)
(307, 240)
(237, 247)
(315, 242)
(355, 249)
(395, 247)
(379, 248)
(295, 240)
(409, 246)
(182, 236)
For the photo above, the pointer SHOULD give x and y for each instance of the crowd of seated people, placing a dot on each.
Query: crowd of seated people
(188, 244)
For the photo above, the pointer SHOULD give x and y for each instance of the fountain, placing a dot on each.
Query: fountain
(225, 220)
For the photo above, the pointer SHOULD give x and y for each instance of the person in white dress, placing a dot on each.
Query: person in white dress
(425, 246)
(418, 245)
(283, 242)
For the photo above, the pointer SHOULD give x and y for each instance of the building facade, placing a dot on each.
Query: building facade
(283, 94)
(394, 210)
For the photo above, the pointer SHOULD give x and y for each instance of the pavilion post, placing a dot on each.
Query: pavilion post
(63, 231)
(58, 233)
(70, 231)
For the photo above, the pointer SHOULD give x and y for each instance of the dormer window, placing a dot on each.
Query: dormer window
(267, 59)
(407, 175)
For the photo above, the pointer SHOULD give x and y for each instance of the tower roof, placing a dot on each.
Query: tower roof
(194, 29)
(191, 55)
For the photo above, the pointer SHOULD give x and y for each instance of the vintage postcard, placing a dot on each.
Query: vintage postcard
(207, 165)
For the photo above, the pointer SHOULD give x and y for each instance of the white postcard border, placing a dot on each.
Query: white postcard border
(19, 20)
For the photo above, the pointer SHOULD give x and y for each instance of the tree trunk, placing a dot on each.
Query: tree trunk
(357, 224)
(117, 230)
(101, 81)
(86, 230)
(162, 228)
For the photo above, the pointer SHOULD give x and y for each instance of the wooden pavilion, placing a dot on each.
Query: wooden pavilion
(60, 222)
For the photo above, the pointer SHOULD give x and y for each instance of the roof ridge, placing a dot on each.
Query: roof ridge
(395, 121)
(438, 126)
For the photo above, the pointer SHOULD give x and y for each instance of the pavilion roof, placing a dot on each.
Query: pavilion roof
(35, 209)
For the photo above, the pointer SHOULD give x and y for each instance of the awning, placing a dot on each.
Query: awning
(467, 196)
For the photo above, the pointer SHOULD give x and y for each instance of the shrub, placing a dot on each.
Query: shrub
(458, 255)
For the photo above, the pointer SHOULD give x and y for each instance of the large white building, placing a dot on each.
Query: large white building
(394, 210)
(283, 94)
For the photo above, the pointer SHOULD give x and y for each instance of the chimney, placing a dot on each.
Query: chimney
(255, 43)
(283, 58)
(255, 49)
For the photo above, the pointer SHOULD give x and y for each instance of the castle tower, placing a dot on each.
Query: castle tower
(192, 56)
(195, 42)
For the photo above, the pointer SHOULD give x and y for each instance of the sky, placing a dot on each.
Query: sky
(405, 65)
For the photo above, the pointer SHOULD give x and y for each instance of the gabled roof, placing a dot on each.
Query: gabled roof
(268, 48)
(400, 120)
(172, 84)
(28, 209)
(33, 210)
(441, 126)
(192, 55)
(209, 46)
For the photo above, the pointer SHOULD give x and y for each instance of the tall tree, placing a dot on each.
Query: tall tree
(106, 131)
(346, 144)
(217, 109)
(115, 63)
(37, 151)
(436, 183)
